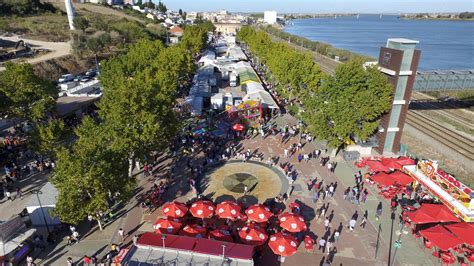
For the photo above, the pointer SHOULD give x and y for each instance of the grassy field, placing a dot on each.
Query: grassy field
(47, 27)
(54, 26)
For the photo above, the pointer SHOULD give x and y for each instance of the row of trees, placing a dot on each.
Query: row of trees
(25, 7)
(316, 46)
(136, 117)
(340, 108)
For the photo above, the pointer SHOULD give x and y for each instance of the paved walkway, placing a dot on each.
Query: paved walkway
(353, 248)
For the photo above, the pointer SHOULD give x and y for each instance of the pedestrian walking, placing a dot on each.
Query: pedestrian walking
(352, 223)
(336, 236)
(246, 190)
(69, 261)
(300, 157)
(8, 195)
(315, 196)
(331, 190)
(306, 157)
(326, 224)
(378, 212)
(19, 193)
(363, 222)
(286, 153)
(135, 240)
(322, 243)
(29, 261)
(75, 236)
(86, 260)
(121, 234)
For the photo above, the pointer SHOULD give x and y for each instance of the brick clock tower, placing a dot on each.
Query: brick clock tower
(399, 62)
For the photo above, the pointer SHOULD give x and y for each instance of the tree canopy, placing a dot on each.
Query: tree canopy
(339, 109)
(88, 174)
(291, 68)
(23, 94)
(348, 105)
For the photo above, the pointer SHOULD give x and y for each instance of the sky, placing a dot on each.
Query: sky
(323, 6)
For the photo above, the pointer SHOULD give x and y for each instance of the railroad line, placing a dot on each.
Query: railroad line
(460, 143)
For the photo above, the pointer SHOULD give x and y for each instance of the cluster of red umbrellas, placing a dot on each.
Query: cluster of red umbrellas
(253, 233)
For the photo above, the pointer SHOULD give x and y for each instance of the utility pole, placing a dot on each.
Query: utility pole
(38, 192)
(378, 240)
(392, 217)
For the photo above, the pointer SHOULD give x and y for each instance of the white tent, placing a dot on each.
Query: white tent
(264, 97)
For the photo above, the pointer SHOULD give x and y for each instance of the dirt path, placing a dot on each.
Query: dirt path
(57, 49)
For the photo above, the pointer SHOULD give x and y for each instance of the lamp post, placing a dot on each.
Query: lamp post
(223, 251)
(392, 217)
(38, 192)
(163, 237)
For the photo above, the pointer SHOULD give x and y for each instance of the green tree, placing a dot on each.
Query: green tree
(48, 138)
(81, 23)
(162, 7)
(180, 12)
(139, 3)
(137, 105)
(88, 174)
(349, 105)
(23, 94)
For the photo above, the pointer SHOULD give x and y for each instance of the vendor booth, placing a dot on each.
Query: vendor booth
(456, 196)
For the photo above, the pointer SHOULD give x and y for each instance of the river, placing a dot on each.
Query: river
(444, 44)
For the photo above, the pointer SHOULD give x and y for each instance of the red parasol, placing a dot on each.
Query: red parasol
(377, 166)
(432, 213)
(167, 225)
(401, 178)
(238, 127)
(202, 209)
(405, 161)
(465, 231)
(292, 222)
(194, 230)
(174, 209)
(391, 163)
(258, 213)
(228, 210)
(283, 244)
(253, 235)
(221, 235)
(383, 179)
(440, 237)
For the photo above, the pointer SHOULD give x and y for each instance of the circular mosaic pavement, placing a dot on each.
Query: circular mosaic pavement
(230, 179)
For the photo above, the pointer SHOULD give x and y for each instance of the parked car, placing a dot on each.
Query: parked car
(66, 78)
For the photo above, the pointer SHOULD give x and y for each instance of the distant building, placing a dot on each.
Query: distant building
(228, 28)
(399, 62)
(176, 31)
(270, 17)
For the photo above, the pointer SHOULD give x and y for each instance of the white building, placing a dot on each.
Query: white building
(270, 17)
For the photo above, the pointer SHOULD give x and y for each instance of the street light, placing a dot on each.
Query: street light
(392, 216)
(163, 237)
(38, 192)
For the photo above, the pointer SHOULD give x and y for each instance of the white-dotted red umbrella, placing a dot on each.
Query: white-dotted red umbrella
(258, 213)
(292, 222)
(283, 244)
(202, 209)
(253, 235)
(167, 225)
(194, 230)
(174, 209)
(228, 210)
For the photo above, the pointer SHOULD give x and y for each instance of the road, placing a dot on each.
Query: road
(57, 49)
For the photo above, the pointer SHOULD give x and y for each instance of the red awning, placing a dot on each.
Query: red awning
(171, 241)
(401, 178)
(432, 213)
(203, 246)
(391, 163)
(403, 160)
(464, 231)
(232, 250)
(377, 166)
(383, 179)
(440, 237)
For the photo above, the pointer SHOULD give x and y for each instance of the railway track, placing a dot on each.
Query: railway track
(460, 143)
(436, 108)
